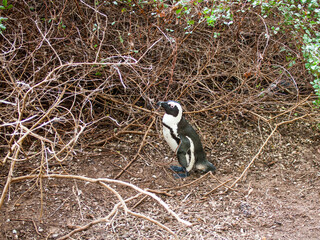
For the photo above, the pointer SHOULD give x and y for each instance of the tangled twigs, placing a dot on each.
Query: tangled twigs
(104, 219)
(85, 227)
(262, 147)
(139, 150)
(271, 134)
(112, 213)
(103, 182)
(10, 175)
(214, 189)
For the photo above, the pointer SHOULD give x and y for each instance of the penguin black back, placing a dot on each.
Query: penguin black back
(185, 129)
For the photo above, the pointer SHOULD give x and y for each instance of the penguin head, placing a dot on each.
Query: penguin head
(172, 108)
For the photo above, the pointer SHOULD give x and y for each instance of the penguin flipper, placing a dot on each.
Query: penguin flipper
(182, 151)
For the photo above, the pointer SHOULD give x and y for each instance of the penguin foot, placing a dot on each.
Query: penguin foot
(177, 169)
(181, 175)
(180, 172)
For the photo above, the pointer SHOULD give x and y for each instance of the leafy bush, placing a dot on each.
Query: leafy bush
(4, 6)
(2, 26)
(301, 18)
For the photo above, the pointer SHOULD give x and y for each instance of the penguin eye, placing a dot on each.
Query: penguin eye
(171, 105)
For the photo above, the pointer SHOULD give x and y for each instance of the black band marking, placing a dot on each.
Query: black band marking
(172, 133)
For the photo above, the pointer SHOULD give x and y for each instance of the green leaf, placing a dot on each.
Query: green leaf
(121, 39)
(191, 22)
(5, 3)
(178, 11)
(2, 8)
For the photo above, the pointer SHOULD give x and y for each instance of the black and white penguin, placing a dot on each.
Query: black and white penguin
(183, 140)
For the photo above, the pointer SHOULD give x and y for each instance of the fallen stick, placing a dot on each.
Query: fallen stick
(139, 150)
(107, 180)
(262, 146)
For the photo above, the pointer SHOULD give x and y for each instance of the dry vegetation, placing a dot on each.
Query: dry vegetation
(78, 88)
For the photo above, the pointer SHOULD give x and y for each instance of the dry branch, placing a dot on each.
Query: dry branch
(141, 146)
(262, 147)
(114, 181)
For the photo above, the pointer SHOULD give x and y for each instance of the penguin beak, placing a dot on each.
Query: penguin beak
(159, 104)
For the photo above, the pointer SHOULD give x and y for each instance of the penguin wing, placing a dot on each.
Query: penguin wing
(182, 151)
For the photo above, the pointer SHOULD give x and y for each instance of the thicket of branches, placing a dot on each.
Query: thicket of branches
(69, 66)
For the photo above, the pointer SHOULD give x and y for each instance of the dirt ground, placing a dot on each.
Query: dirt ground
(278, 199)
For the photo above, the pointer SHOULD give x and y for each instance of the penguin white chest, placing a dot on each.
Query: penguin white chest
(167, 134)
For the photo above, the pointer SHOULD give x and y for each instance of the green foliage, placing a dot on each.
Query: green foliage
(193, 12)
(302, 18)
(62, 25)
(4, 6)
(2, 26)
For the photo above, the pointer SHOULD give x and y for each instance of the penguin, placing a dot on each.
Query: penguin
(183, 140)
